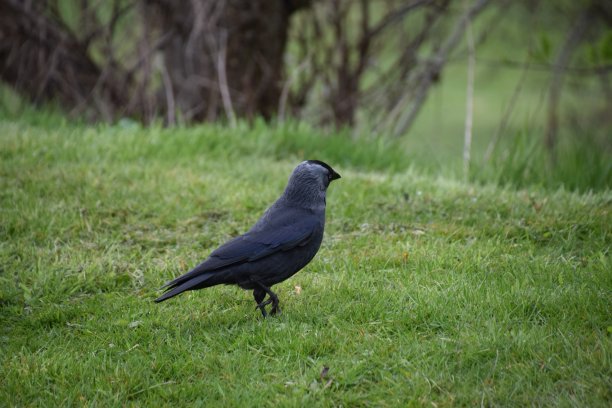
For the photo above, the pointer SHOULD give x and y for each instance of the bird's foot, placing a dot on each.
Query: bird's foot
(275, 311)
(262, 307)
(272, 299)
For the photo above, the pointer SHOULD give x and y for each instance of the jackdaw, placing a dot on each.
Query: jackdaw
(283, 241)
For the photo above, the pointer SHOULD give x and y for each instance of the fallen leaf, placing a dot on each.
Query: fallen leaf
(298, 289)
(134, 324)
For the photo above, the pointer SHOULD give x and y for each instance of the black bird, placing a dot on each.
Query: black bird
(283, 241)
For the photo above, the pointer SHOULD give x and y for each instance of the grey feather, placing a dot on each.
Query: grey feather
(283, 241)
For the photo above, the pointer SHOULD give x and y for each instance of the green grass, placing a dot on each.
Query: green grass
(426, 291)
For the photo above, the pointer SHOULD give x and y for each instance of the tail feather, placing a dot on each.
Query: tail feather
(195, 272)
(195, 283)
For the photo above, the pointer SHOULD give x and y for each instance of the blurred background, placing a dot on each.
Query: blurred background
(507, 92)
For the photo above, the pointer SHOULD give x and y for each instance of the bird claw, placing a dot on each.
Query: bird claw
(275, 311)
(259, 297)
(262, 307)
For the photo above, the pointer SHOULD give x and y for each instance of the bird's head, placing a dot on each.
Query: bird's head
(317, 171)
(309, 181)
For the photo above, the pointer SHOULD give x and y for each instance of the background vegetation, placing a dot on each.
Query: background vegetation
(437, 284)
(394, 73)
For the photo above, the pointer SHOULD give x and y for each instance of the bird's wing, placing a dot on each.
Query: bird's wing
(254, 245)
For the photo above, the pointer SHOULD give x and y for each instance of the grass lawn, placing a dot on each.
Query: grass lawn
(426, 291)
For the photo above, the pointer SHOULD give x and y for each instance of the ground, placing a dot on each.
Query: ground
(426, 291)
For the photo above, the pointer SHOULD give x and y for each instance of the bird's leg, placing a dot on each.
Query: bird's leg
(273, 299)
(259, 295)
(275, 309)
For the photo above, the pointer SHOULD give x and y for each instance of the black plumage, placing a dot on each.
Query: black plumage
(283, 241)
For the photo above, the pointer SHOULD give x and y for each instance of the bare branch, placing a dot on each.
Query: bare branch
(395, 16)
(282, 103)
(573, 39)
(223, 87)
(44, 60)
(568, 70)
(170, 107)
(507, 112)
(435, 65)
(469, 102)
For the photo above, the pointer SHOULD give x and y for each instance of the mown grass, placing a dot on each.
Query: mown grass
(426, 291)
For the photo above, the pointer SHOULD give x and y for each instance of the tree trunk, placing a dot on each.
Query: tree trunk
(200, 58)
(224, 56)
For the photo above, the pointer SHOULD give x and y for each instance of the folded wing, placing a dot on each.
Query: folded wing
(252, 246)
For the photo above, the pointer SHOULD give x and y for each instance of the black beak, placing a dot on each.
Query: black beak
(334, 175)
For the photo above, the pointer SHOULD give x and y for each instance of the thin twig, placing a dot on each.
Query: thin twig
(572, 40)
(169, 91)
(158, 44)
(282, 103)
(469, 102)
(395, 16)
(223, 87)
(508, 111)
(435, 66)
(573, 70)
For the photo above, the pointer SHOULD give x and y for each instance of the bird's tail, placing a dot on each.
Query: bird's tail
(198, 282)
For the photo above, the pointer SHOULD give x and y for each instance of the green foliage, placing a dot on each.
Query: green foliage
(580, 165)
(426, 291)
(600, 52)
(543, 52)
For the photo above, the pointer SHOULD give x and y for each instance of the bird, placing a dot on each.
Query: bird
(283, 241)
